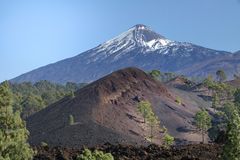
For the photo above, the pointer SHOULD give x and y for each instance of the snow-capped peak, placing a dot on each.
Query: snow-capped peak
(140, 26)
(137, 36)
(145, 37)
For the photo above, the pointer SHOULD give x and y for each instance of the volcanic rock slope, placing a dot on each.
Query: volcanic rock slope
(106, 111)
(137, 47)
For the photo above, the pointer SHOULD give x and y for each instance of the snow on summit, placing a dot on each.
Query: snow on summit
(142, 40)
(137, 36)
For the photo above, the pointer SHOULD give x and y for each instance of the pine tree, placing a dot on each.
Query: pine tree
(145, 108)
(203, 122)
(221, 76)
(13, 133)
(153, 122)
(232, 146)
(208, 82)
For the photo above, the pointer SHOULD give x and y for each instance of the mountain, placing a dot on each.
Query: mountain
(139, 47)
(229, 63)
(238, 52)
(106, 111)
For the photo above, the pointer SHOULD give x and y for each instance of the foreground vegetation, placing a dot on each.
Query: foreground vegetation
(96, 155)
(223, 120)
(13, 132)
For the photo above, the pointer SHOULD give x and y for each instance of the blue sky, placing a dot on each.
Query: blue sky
(34, 33)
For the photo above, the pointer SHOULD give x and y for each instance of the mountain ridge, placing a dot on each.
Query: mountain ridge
(139, 47)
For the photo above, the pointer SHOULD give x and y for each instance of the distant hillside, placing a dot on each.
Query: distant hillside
(106, 111)
(229, 63)
(139, 47)
(238, 52)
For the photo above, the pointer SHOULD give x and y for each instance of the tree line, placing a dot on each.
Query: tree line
(29, 98)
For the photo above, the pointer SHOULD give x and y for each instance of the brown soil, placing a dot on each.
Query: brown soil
(106, 111)
(152, 152)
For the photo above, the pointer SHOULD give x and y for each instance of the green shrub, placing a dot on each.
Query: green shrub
(168, 140)
(71, 120)
(96, 155)
(44, 144)
(178, 100)
(155, 74)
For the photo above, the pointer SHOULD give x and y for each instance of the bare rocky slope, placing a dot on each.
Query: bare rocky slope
(106, 111)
